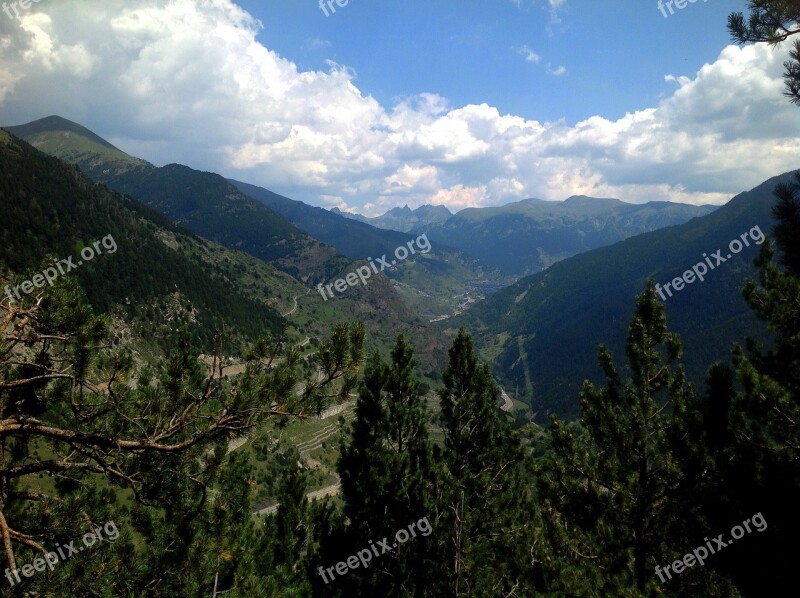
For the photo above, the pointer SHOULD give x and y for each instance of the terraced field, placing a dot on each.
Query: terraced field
(319, 438)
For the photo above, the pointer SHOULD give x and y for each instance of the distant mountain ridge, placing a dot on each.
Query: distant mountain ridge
(543, 332)
(527, 236)
(404, 219)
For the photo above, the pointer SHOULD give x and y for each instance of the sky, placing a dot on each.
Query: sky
(464, 103)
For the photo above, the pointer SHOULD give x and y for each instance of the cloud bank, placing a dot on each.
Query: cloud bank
(187, 81)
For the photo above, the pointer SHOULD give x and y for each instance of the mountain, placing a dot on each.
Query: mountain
(543, 332)
(203, 202)
(433, 283)
(150, 274)
(404, 219)
(526, 237)
(353, 239)
(76, 144)
(213, 208)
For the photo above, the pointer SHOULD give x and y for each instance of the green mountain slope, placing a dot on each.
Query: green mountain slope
(203, 202)
(51, 209)
(76, 144)
(543, 332)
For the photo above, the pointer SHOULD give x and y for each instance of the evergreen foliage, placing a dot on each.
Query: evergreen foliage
(611, 486)
(387, 474)
(482, 496)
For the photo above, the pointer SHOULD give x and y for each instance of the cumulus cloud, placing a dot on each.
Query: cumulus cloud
(187, 81)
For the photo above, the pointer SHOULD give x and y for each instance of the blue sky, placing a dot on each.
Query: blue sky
(463, 103)
(615, 52)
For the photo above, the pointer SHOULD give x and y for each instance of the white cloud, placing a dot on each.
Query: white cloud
(187, 81)
(529, 54)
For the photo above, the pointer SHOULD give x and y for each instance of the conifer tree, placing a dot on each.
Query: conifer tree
(274, 560)
(756, 410)
(161, 443)
(771, 379)
(290, 519)
(386, 474)
(482, 497)
(773, 22)
(612, 485)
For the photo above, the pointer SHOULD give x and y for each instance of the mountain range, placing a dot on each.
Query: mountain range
(207, 205)
(527, 236)
(542, 333)
(589, 256)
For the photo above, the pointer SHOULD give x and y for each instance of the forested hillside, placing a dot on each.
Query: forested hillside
(145, 278)
(543, 330)
(203, 202)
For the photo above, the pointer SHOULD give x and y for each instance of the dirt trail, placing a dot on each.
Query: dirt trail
(294, 309)
(311, 496)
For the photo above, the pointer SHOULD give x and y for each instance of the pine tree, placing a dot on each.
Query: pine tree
(756, 412)
(611, 485)
(772, 22)
(274, 560)
(161, 444)
(386, 474)
(482, 497)
(290, 519)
